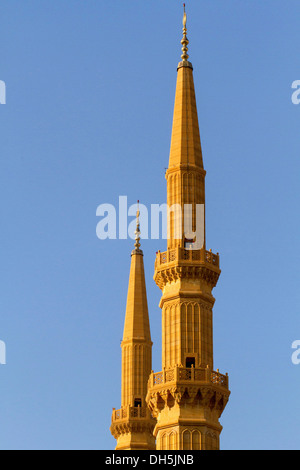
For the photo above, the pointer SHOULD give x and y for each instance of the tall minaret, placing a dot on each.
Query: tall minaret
(187, 397)
(133, 424)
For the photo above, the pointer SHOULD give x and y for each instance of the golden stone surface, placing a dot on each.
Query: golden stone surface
(181, 405)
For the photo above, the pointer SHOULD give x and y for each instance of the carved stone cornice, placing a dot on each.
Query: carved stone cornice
(126, 427)
(171, 273)
(206, 396)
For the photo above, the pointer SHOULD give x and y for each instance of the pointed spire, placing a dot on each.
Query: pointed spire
(137, 318)
(185, 144)
(137, 325)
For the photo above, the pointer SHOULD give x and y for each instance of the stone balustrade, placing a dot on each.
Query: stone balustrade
(130, 413)
(181, 374)
(183, 255)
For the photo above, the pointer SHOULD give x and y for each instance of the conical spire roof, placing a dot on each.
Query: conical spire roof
(137, 318)
(137, 324)
(185, 142)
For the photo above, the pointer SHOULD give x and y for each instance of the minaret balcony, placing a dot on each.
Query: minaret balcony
(130, 413)
(188, 387)
(182, 263)
(130, 419)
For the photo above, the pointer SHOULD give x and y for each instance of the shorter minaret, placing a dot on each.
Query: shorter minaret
(132, 425)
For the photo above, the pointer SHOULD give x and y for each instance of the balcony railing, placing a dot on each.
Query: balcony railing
(130, 412)
(181, 254)
(181, 374)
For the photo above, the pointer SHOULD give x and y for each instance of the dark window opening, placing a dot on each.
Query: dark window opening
(188, 244)
(190, 362)
(137, 402)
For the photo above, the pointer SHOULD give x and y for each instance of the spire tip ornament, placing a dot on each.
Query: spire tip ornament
(137, 244)
(185, 42)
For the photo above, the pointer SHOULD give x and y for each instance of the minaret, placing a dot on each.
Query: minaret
(133, 424)
(187, 397)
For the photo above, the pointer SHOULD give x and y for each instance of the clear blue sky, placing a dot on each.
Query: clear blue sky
(90, 95)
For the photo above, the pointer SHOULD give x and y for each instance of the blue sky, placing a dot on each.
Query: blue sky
(90, 94)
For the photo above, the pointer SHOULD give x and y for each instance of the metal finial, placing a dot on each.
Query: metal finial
(137, 231)
(184, 41)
